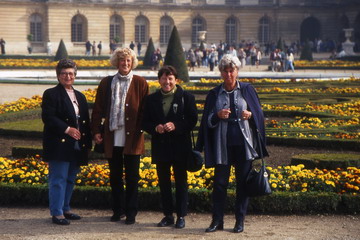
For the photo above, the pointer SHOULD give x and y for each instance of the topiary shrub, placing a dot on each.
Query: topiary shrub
(280, 44)
(61, 52)
(327, 161)
(175, 56)
(306, 52)
(149, 51)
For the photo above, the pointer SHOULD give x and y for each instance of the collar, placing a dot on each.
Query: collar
(172, 92)
(237, 87)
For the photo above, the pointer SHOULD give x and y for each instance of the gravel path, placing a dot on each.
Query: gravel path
(35, 224)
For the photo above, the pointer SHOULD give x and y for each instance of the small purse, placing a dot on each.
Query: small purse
(195, 160)
(257, 182)
(99, 148)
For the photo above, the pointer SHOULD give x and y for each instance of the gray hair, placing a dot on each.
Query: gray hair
(121, 53)
(229, 61)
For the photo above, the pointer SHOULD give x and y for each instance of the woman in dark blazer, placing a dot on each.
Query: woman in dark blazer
(66, 139)
(169, 116)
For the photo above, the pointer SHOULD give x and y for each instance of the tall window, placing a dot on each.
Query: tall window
(116, 28)
(36, 27)
(231, 30)
(141, 29)
(78, 27)
(198, 24)
(166, 26)
(264, 30)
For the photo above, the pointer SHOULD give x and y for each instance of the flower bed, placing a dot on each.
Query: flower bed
(332, 64)
(48, 63)
(283, 178)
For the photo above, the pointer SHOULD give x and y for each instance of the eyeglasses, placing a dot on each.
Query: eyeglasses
(70, 74)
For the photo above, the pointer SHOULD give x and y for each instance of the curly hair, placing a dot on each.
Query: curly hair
(65, 63)
(229, 61)
(121, 53)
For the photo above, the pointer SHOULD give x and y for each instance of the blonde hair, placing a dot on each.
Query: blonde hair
(121, 53)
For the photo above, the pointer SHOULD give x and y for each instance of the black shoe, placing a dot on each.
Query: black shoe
(60, 221)
(116, 217)
(180, 222)
(214, 226)
(166, 221)
(72, 216)
(239, 227)
(129, 221)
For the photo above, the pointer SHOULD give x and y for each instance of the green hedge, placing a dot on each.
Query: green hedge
(327, 161)
(199, 200)
(341, 144)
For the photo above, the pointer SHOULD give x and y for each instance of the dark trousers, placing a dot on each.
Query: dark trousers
(181, 186)
(127, 204)
(236, 157)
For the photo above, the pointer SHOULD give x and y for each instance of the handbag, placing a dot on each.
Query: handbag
(194, 160)
(99, 148)
(257, 181)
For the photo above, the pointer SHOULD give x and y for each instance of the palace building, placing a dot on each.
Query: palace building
(36, 22)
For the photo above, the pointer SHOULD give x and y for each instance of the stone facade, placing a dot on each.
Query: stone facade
(222, 19)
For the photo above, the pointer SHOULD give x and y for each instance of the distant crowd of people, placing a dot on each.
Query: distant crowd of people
(90, 49)
(249, 53)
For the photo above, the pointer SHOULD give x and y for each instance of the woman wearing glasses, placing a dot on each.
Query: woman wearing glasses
(66, 139)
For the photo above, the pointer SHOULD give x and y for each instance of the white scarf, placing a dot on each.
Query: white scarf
(119, 87)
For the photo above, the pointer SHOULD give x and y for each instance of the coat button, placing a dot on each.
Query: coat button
(84, 121)
(127, 119)
(126, 104)
(83, 145)
(63, 140)
(83, 134)
(127, 133)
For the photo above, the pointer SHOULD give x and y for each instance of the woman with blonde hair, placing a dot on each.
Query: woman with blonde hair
(119, 102)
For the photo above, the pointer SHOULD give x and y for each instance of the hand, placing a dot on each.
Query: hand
(169, 127)
(224, 113)
(74, 133)
(246, 115)
(98, 138)
(160, 129)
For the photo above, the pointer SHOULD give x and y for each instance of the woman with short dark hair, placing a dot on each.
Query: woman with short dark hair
(169, 116)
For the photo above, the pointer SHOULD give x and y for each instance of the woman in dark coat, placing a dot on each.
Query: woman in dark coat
(66, 140)
(169, 116)
(232, 125)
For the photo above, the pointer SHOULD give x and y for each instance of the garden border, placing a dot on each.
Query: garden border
(199, 200)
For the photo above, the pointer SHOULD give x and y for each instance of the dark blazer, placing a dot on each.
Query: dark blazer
(175, 145)
(206, 135)
(58, 114)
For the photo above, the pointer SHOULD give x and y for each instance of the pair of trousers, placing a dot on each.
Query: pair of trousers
(236, 157)
(62, 177)
(124, 202)
(181, 195)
